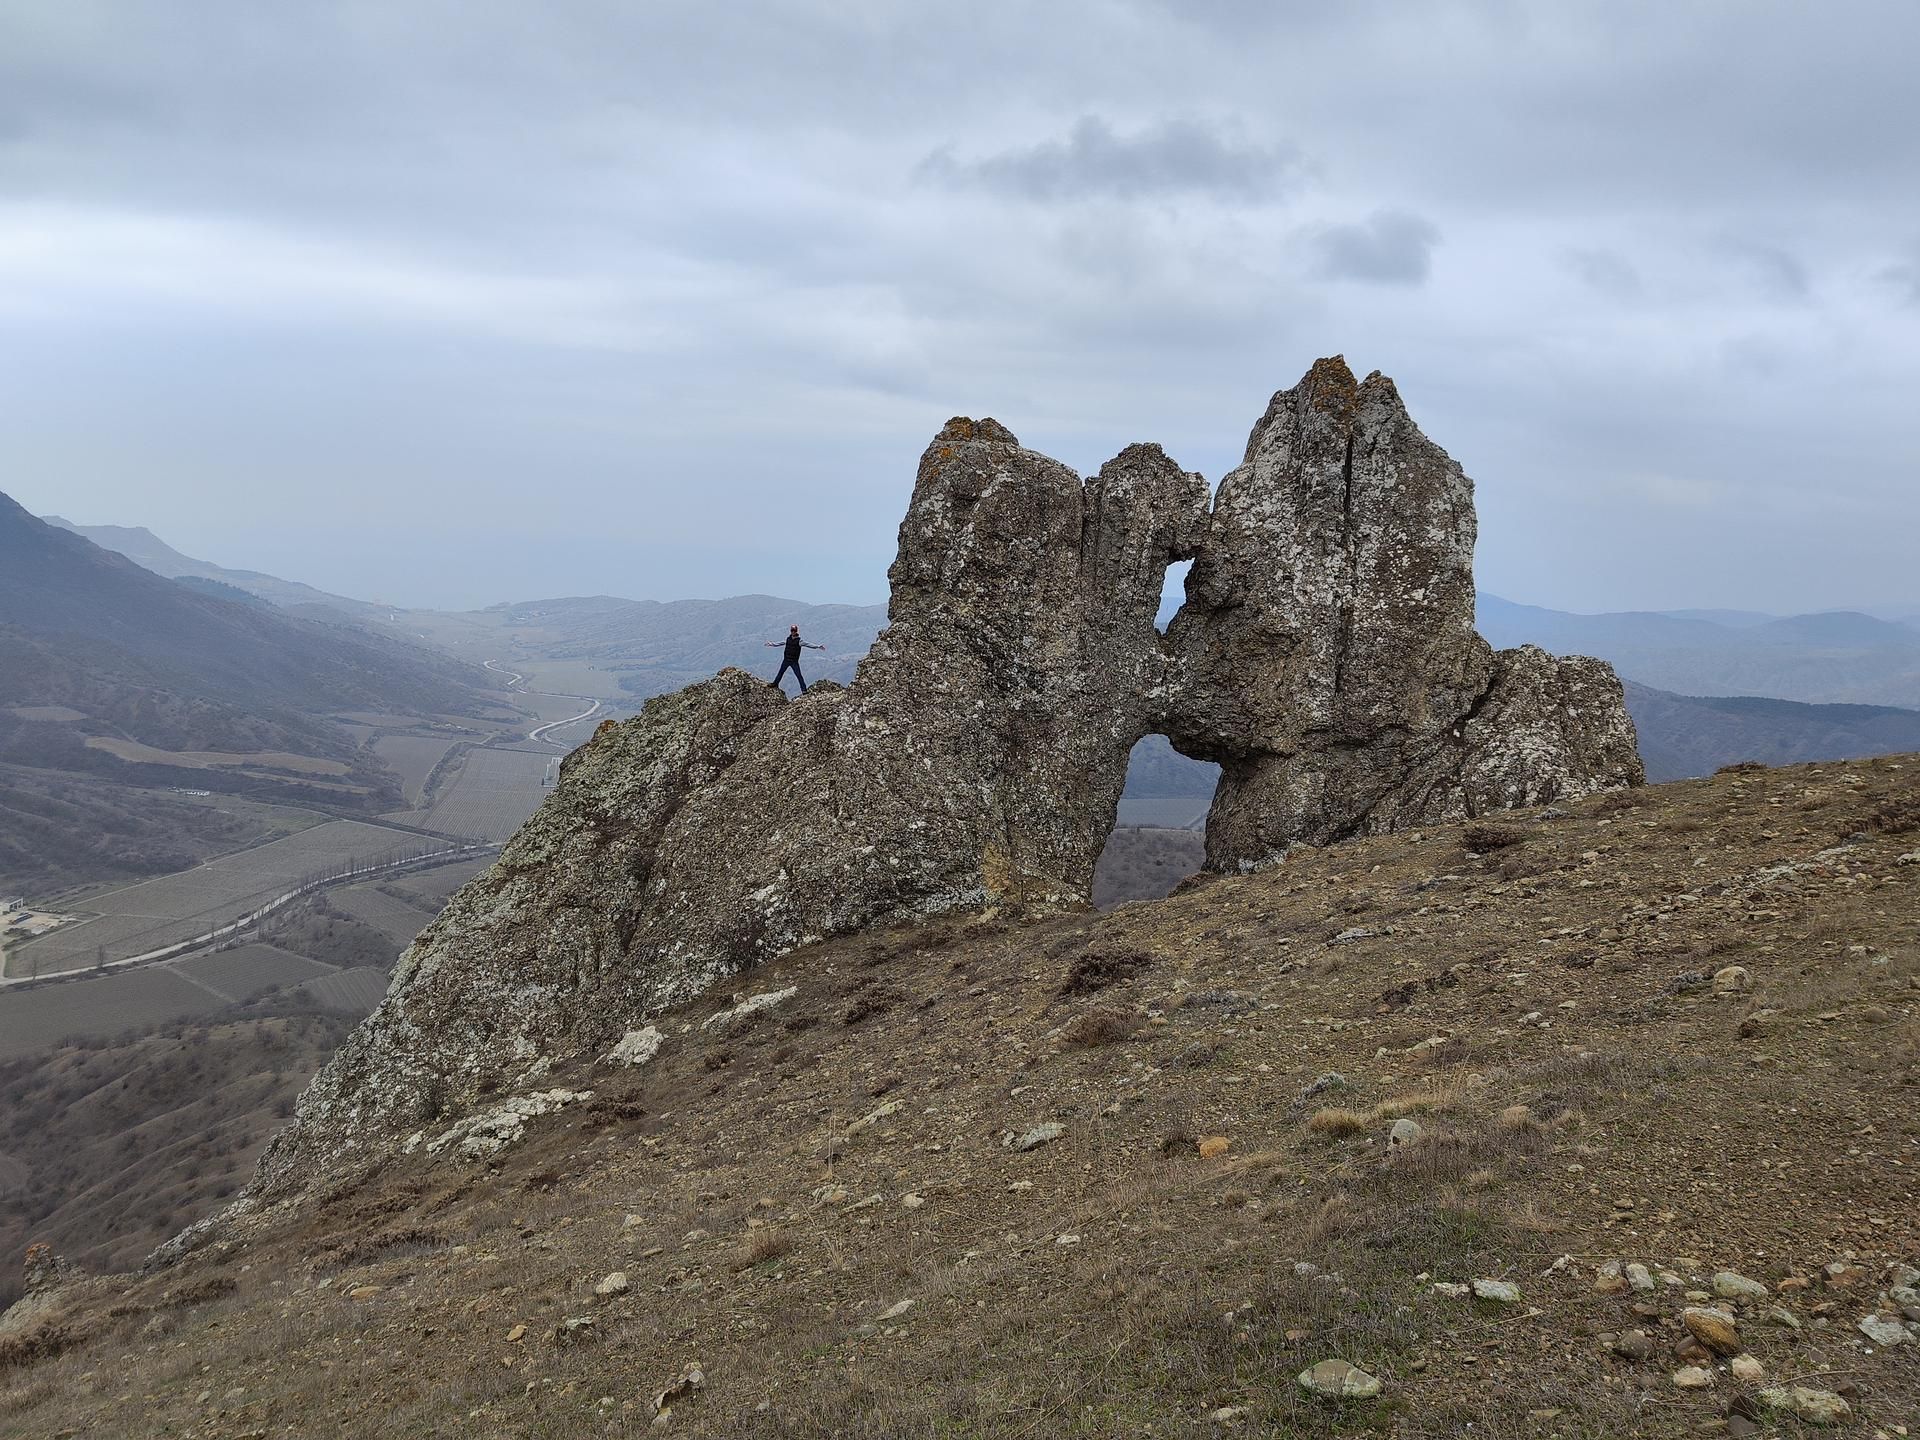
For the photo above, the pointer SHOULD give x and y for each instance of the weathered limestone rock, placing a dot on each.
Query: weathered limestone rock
(975, 761)
(1325, 656)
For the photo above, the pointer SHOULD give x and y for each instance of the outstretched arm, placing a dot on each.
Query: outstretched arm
(816, 647)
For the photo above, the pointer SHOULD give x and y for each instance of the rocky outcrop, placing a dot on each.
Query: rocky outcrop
(976, 761)
(1326, 653)
(1326, 657)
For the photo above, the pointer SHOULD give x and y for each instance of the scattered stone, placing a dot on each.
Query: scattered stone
(1712, 1328)
(1230, 1415)
(1692, 1377)
(1337, 1380)
(896, 1310)
(614, 1284)
(516, 1334)
(1732, 980)
(1044, 1133)
(913, 1201)
(1780, 1315)
(1214, 1146)
(1748, 1370)
(1730, 1285)
(485, 1135)
(1634, 1345)
(875, 1116)
(1327, 1080)
(752, 1005)
(1501, 1292)
(1816, 1407)
(1640, 1278)
(1884, 1331)
(1451, 1290)
(1405, 1132)
(690, 1380)
(632, 1221)
(363, 1292)
(636, 1047)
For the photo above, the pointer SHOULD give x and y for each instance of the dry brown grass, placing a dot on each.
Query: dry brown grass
(1337, 1122)
(763, 1246)
(1105, 1025)
(1485, 835)
(1899, 816)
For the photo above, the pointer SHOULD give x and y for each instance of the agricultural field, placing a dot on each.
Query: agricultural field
(431, 889)
(137, 754)
(246, 970)
(398, 920)
(493, 793)
(155, 913)
(412, 758)
(36, 1019)
(349, 992)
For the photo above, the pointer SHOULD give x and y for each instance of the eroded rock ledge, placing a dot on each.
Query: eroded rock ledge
(1326, 657)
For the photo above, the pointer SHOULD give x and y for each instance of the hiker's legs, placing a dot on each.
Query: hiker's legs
(798, 676)
(786, 665)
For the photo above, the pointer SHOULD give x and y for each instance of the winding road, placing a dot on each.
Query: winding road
(539, 733)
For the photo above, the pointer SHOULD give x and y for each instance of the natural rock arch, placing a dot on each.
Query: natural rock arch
(1326, 657)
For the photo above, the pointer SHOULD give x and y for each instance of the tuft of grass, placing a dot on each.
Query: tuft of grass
(1485, 835)
(1104, 1025)
(1337, 1122)
(763, 1247)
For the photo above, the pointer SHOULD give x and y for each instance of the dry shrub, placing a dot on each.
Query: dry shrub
(1485, 835)
(1102, 1026)
(1740, 767)
(41, 1343)
(1336, 1122)
(762, 1247)
(873, 999)
(1096, 970)
(1613, 802)
(1897, 817)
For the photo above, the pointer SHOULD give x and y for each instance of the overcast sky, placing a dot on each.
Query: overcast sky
(456, 301)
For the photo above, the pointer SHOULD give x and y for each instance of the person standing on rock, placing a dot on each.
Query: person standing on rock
(791, 660)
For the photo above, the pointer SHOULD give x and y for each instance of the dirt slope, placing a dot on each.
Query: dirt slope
(824, 1206)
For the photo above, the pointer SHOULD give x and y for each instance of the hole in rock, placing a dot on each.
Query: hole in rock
(1173, 594)
(1158, 835)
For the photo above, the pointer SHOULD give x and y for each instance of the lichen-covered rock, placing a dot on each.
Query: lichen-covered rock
(1325, 656)
(1326, 653)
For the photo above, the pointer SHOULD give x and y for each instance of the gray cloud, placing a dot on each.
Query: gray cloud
(1903, 278)
(463, 300)
(1172, 157)
(1604, 271)
(1390, 247)
(1779, 275)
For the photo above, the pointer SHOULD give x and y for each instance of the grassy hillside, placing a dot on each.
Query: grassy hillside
(1132, 1173)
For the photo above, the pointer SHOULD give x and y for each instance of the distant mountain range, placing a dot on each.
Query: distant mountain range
(1839, 656)
(109, 670)
(1707, 687)
(150, 552)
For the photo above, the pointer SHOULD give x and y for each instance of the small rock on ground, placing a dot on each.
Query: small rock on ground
(1337, 1380)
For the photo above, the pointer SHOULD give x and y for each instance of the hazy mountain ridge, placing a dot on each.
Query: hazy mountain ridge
(1835, 657)
(110, 670)
(150, 552)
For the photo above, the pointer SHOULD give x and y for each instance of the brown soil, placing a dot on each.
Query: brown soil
(1545, 1011)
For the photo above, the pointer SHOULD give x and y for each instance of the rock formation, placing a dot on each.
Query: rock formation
(1326, 657)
